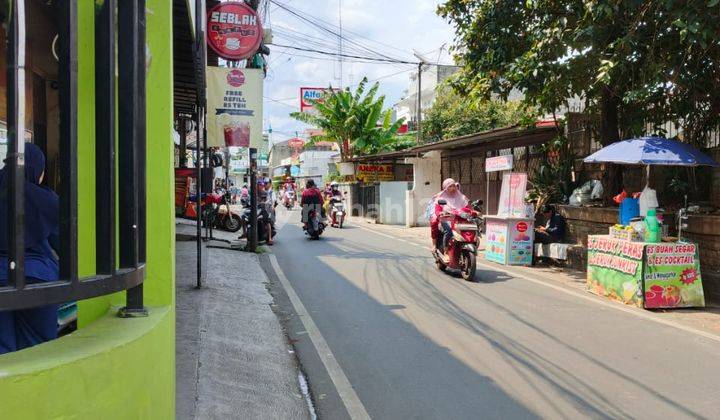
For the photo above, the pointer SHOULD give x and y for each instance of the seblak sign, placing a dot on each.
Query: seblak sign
(234, 31)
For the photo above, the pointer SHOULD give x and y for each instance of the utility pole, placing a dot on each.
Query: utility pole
(419, 102)
(340, 40)
(253, 229)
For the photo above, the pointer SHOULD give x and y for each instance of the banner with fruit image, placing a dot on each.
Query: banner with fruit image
(672, 276)
(615, 268)
(234, 107)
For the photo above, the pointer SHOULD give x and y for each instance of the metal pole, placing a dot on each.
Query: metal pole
(198, 210)
(253, 230)
(419, 102)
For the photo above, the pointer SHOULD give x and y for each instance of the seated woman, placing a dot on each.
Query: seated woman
(28, 327)
(554, 229)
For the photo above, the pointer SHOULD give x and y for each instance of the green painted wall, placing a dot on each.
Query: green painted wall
(112, 368)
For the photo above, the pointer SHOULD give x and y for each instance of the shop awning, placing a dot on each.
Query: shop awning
(496, 139)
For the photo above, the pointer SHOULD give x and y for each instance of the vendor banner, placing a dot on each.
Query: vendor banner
(373, 172)
(234, 107)
(615, 269)
(672, 276)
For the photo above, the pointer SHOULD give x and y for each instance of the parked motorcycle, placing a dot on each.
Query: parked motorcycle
(461, 250)
(262, 216)
(314, 226)
(216, 211)
(337, 212)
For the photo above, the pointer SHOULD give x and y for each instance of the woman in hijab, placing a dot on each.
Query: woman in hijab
(26, 328)
(455, 201)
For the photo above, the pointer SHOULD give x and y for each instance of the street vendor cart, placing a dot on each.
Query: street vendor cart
(509, 235)
(624, 264)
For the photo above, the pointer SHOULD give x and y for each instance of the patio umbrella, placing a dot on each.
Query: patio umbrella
(651, 151)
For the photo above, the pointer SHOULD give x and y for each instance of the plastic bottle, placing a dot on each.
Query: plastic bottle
(653, 231)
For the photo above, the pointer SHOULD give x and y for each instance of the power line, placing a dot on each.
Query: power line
(389, 60)
(304, 17)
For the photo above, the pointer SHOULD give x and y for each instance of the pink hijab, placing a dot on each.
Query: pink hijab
(456, 200)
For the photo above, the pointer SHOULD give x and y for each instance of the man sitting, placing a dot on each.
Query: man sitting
(554, 229)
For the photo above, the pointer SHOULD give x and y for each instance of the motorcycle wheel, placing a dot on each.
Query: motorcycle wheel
(340, 223)
(467, 265)
(232, 224)
(440, 266)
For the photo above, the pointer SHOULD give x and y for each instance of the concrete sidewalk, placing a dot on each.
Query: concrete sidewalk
(705, 319)
(233, 359)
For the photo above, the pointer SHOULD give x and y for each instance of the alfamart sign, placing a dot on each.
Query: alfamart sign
(308, 95)
(234, 31)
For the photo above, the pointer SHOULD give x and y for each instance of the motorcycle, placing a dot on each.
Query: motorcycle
(261, 221)
(337, 212)
(461, 251)
(215, 210)
(315, 226)
(289, 199)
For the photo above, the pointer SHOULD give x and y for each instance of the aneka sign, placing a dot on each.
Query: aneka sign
(234, 31)
(309, 94)
(234, 100)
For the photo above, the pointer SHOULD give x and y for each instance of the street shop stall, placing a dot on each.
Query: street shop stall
(637, 262)
(510, 234)
(647, 275)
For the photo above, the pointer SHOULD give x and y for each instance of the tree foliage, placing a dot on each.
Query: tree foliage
(454, 115)
(355, 120)
(635, 62)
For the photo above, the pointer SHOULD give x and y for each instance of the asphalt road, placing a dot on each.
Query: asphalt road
(417, 343)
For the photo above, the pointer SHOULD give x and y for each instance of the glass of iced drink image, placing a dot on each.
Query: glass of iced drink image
(237, 134)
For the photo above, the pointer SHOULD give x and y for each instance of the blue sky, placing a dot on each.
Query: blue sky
(391, 27)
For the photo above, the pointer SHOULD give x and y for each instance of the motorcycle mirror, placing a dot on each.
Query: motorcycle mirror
(442, 202)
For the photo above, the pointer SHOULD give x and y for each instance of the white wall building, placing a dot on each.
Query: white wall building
(315, 163)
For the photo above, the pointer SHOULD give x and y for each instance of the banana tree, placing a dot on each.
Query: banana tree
(355, 121)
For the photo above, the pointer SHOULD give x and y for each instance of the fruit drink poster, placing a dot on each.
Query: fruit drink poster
(615, 269)
(672, 276)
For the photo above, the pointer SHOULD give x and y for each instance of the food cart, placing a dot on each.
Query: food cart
(623, 265)
(509, 235)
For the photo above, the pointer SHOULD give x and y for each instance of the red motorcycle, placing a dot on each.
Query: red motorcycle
(461, 251)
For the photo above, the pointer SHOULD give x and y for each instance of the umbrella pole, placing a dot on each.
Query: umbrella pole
(647, 176)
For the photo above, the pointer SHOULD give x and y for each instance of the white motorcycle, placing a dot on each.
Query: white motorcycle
(337, 212)
(289, 199)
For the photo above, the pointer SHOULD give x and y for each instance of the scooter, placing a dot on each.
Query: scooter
(261, 214)
(315, 226)
(216, 211)
(461, 251)
(289, 199)
(337, 212)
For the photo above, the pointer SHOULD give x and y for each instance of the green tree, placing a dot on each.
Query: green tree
(635, 62)
(454, 115)
(355, 121)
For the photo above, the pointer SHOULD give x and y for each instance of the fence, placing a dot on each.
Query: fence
(127, 273)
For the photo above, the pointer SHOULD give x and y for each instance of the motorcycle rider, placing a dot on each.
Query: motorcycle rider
(334, 193)
(289, 187)
(312, 199)
(266, 198)
(455, 201)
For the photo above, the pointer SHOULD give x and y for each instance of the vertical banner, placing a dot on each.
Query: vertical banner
(512, 195)
(234, 107)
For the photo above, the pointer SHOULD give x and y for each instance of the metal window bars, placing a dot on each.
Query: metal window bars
(127, 273)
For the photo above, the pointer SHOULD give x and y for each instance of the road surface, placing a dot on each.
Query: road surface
(416, 343)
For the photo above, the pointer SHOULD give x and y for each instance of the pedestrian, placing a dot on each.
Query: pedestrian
(28, 327)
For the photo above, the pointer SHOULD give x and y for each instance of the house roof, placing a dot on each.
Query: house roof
(495, 139)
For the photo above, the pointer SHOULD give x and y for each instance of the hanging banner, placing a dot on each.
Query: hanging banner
(499, 163)
(234, 101)
(234, 31)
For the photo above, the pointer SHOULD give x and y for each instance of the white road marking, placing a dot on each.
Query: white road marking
(590, 298)
(353, 405)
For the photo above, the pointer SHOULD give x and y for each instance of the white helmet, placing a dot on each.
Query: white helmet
(334, 184)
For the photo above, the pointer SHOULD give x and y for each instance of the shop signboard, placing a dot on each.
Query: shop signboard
(521, 242)
(672, 276)
(309, 94)
(615, 268)
(495, 241)
(499, 163)
(373, 172)
(234, 30)
(234, 115)
(512, 195)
